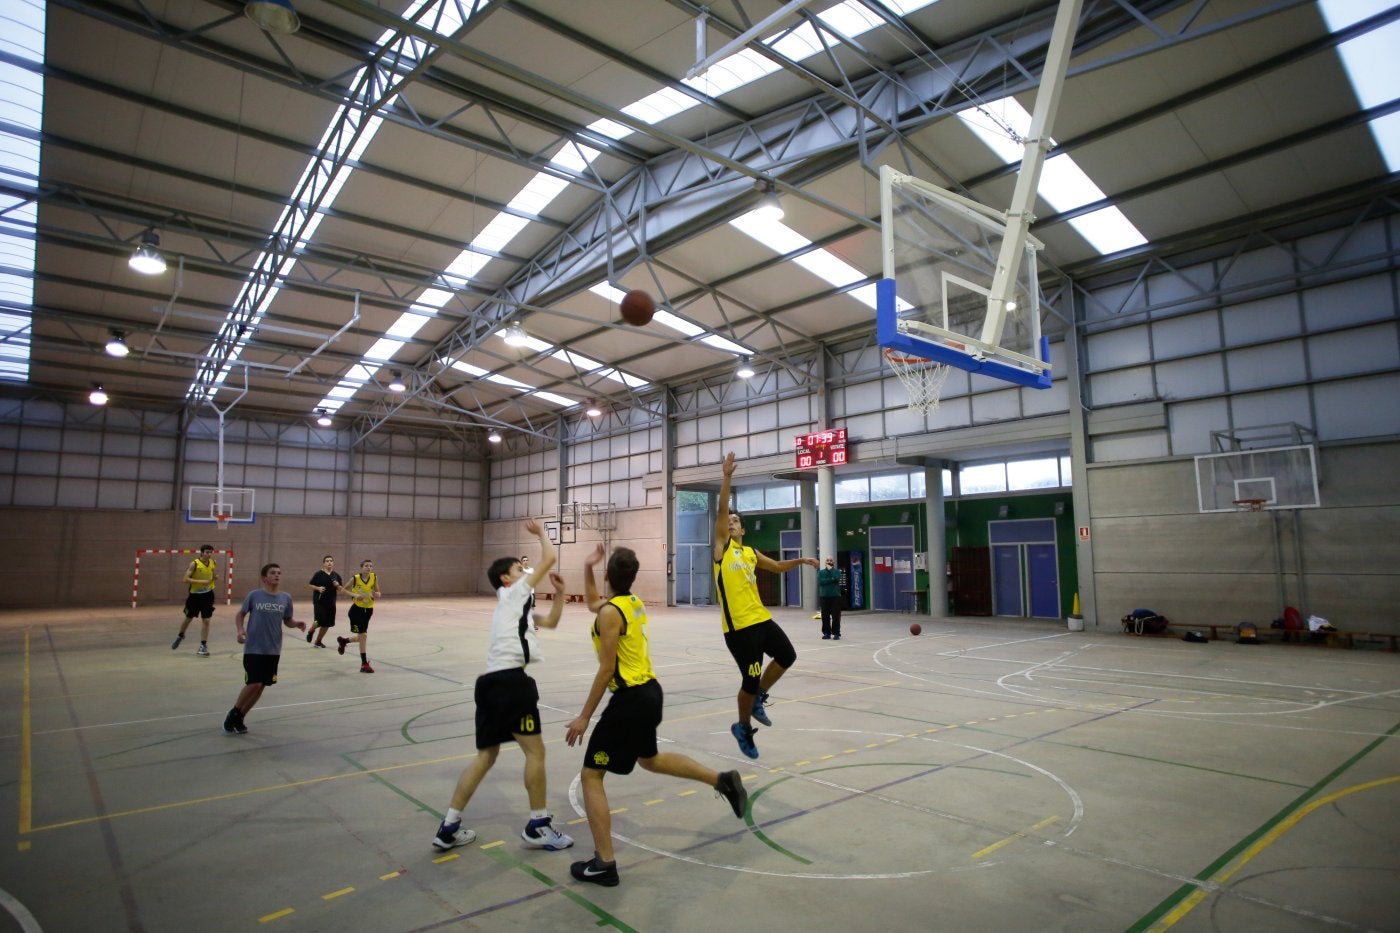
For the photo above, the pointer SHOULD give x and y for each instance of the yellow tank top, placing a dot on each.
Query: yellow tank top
(362, 589)
(633, 658)
(736, 589)
(204, 576)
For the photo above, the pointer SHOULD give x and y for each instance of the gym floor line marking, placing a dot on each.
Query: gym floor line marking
(276, 916)
(1232, 868)
(1185, 898)
(26, 773)
(334, 894)
(1000, 843)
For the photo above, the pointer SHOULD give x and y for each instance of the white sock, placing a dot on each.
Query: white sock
(539, 814)
(453, 816)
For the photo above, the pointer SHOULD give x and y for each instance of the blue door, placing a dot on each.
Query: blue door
(1043, 581)
(1025, 569)
(891, 566)
(1006, 580)
(790, 548)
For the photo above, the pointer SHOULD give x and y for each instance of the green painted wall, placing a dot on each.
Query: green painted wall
(967, 527)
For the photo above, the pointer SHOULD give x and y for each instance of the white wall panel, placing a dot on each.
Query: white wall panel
(1187, 334)
(1353, 302)
(1273, 318)
(1277, 407)
(1263, 366)
(1364, 349)
(1125, 385)
(1191, 377)
(1359, 408)
(1191, 423)
(1119, 347)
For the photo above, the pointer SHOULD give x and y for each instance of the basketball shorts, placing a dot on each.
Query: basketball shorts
(507, 705)
(359, 619)
(627, 729)
(260, 668)
(324, 613)
(199, 604)
(748, 646)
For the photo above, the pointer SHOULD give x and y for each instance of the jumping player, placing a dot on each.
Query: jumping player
(749, 629)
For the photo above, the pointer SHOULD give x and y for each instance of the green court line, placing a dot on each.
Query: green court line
(1186, 890)
(764, 837)
(604, 918)
(1175, 764)
(408, 723)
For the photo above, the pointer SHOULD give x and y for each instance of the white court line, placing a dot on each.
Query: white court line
(22, 916)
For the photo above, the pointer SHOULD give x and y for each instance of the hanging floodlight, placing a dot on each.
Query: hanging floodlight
(770, 207)
(97, 396)
(745, 371)
(494, 437)
(277, 16)
(323, 418)
(147, 259)
(514, 335)
(592, 410)
(397, 384)
(116, 345)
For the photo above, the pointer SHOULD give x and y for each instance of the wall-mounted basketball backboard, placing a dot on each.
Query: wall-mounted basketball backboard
(1282, 477)
(942, 298)
(220, 505)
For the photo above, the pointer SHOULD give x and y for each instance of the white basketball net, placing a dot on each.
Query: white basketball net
(922, 378)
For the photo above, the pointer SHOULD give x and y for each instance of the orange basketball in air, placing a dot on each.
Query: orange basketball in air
(637, 307)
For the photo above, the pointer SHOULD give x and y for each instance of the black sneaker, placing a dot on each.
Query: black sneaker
(309, 633)
(340, 644)
(595, 871)
(730, 786)
(176, 643)
(233, 720)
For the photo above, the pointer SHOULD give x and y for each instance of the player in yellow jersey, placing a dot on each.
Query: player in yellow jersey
(749, 629)
(626, 733)
(364, 590)
(199, 576)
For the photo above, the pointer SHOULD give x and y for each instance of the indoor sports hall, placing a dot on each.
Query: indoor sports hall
(1061, 339)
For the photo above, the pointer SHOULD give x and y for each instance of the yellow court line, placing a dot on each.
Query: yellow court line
(276, 916)
(26, 773)
(335, 894)
(1013, 837)
(1195, 897)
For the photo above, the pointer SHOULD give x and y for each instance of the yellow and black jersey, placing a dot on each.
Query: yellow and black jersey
(633, 657)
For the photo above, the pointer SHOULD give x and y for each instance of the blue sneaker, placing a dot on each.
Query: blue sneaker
(759, 712)
(744, 736)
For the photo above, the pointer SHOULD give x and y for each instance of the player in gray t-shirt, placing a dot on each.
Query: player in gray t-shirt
(264, 611)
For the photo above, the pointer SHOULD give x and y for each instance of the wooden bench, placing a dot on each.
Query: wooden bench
(1219, 631)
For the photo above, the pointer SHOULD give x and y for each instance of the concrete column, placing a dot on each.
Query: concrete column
(936, 533)
(809, 541)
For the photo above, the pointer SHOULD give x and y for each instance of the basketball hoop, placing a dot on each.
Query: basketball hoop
(1250, 505)
(223, 521)
(922, 378)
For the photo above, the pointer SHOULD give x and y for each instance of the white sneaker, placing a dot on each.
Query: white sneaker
(203, 651)
(450, 838)
(539, 834)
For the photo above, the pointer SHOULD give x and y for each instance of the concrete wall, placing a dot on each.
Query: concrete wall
(84, 557)
(1153, 548)
(640, 529)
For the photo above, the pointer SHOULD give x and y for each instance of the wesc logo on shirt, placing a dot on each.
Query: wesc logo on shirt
(268, 607)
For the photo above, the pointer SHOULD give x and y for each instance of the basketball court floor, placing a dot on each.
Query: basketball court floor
(985, 775)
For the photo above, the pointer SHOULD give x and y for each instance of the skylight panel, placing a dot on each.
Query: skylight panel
(406, 326)
(1371, 66)
(725, 344)
(802, 42)
(667, 319)
(434, 298)
(538, 193)
(507, 381)
(384, 349)
(497, 234)
(655, 107)
(559, 400)
(468, 368)
(23, 107)
(1063, 184)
